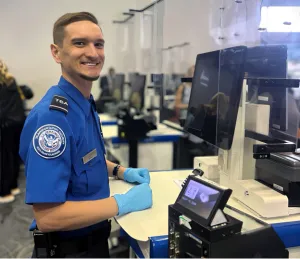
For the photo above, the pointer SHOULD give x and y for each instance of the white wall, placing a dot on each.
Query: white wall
(198, 22)
(26, 29)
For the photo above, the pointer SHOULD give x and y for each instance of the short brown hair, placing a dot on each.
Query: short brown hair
(59, 26)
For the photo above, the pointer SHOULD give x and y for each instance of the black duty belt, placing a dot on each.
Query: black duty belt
(81, 244)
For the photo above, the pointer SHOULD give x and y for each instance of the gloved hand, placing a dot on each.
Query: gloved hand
(139, 175)
(137, 198)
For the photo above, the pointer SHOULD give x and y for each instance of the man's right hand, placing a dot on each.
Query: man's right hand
(137, 198)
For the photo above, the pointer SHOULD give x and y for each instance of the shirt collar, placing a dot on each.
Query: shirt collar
(92, 102)
(76, 95)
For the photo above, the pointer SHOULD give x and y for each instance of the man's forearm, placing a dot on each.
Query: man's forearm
(73, 214)
(110, 168)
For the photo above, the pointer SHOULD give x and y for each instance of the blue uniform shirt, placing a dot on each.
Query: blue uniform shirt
(64, 153)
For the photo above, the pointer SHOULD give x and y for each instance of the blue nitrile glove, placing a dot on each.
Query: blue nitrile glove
(139, 175)
(137, 198)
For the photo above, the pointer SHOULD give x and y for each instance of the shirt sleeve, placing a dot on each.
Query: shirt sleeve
(48, 160)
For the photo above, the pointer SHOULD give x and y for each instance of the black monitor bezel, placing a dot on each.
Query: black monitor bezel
(220, 203)
(234, 105)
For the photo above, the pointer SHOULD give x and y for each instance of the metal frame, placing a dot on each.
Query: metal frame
(132, 11)
(126, 19)
(145, 8)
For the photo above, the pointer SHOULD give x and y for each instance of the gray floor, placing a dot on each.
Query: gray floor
(15, 218)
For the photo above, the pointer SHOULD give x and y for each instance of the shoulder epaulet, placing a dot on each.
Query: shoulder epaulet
(59, 103)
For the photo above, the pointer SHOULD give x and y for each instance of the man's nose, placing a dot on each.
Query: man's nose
(91, 51)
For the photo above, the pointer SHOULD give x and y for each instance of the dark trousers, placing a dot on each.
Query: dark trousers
(94, 245)
(10, 159)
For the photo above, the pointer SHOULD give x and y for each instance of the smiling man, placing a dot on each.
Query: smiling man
(64, 155)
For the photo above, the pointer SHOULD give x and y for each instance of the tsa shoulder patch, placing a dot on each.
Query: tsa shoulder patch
(49, 141)
(59, 103)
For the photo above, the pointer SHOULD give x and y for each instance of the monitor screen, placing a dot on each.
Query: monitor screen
(199, 198)
(215, 96)
(131, 77)
(136, 98)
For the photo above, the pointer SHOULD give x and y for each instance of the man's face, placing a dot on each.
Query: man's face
(82, 52)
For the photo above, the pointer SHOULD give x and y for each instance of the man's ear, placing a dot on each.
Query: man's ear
(55, 53)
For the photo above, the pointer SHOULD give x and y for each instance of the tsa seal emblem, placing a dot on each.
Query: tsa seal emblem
(49, 141)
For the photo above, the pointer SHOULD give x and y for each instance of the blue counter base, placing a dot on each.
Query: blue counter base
(108, 123)
(289, 233)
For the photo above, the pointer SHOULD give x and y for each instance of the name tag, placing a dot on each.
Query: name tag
(89, 156)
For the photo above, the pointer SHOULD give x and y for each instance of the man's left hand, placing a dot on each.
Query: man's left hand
(137, 175)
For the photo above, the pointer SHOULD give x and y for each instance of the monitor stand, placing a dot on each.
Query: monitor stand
(240, 176)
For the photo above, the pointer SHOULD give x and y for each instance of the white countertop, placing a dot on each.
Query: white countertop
(111, 131)
(104, 117)
(151, 222)
(154, 222)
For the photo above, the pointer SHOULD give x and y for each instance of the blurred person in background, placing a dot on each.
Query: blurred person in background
(12, 118)
(106, 89)
(107, 82)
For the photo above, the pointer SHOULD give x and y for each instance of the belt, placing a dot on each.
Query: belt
(73, 245)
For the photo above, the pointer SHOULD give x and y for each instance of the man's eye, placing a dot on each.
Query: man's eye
(79, 43)
(99, 45)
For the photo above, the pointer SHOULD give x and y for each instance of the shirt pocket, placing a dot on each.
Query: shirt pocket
(87, 177)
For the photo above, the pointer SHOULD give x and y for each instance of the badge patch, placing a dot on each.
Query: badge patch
(49, 141)
(89, 156)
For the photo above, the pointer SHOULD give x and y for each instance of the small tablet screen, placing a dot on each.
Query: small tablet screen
(199, 198)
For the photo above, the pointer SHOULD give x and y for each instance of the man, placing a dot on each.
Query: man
(63, 151)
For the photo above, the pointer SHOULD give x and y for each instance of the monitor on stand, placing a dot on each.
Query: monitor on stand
(131, 77)
(269, 62)
(215, 96)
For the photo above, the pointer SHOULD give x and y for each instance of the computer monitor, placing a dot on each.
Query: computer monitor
(136, 98)
(118, 87)
(269, 61)
(215, 95)
(132, 76)
(157, 80)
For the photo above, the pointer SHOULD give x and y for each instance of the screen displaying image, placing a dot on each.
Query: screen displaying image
(199, 199)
